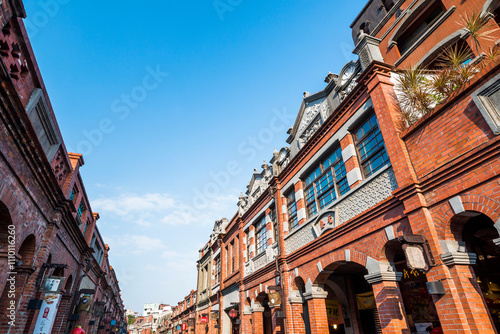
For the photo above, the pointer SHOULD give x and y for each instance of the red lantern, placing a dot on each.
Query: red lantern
(233, 313)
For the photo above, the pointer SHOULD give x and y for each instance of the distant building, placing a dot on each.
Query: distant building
(150, 308)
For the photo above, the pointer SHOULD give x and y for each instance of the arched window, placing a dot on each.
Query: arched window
(365, 27)
(461, 46)
(417, 27)
(388, 4)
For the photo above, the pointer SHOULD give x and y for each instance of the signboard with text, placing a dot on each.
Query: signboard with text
(47, 313)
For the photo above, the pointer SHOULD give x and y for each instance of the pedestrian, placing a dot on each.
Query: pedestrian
(78, 330)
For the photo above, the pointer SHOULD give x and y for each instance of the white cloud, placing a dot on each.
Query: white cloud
(134, 244)
(151, 209)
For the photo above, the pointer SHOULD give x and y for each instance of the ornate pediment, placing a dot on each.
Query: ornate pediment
(257, 185)
(219, 228)
(314, 111)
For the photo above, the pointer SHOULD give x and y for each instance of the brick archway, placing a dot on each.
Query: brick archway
(450, 224)
(329, 262)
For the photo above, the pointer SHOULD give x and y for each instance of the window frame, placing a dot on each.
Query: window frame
(260, 227)
(217, 265)
(291, 210)
(360, 140)
(337, 183)
(417, 22)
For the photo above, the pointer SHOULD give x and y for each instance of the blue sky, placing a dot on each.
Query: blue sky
(173, 104)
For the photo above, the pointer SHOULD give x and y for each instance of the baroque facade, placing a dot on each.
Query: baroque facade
(55, 273)
(368, 222)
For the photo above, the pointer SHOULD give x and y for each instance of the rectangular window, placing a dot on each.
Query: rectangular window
(371, 146)
(85, 229)
(274, 221)
(73, 193)
(291, 205)
(81, 208)
(261, 235)
(420, 26)
(325, 182)
(227, 259)
(217, 269)
(233, 257)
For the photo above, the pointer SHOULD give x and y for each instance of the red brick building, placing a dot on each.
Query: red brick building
(55, 271)
(369, 222)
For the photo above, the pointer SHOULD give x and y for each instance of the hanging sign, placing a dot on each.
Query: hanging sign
(184, 326)
(85, 303)
(274, 298)
(204, 319)
(366, 301)
(47, 313)
(52, 284)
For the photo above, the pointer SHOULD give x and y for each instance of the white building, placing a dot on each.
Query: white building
(150, 308)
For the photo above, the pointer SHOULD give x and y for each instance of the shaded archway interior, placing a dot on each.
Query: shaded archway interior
(479, 234)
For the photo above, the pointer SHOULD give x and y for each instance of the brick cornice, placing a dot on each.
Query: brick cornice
(458, 258)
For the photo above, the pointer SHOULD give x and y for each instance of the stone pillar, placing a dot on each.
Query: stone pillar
(390, 306)
(257, 319)
(368, 50)
(315, 296)
(296, 316)
(468, 291)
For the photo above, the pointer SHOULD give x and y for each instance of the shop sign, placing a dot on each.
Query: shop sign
(415, 257)
(52, 284)
(333, 312)
(178, 328)
(184, 326)
(47, 313)
(85, 303)
(113, 322)
(204, 320)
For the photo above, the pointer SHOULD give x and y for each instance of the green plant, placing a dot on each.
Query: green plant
(418, 90)
(475, 23)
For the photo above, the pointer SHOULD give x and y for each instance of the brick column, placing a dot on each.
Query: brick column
(390, 306)
(381, 90)
(468, 290)
(269, 228)
(296, 316)
(246, 322)
(257, 319)
(301, 203)
(315, 296)
(251, 242)
(349, 155)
